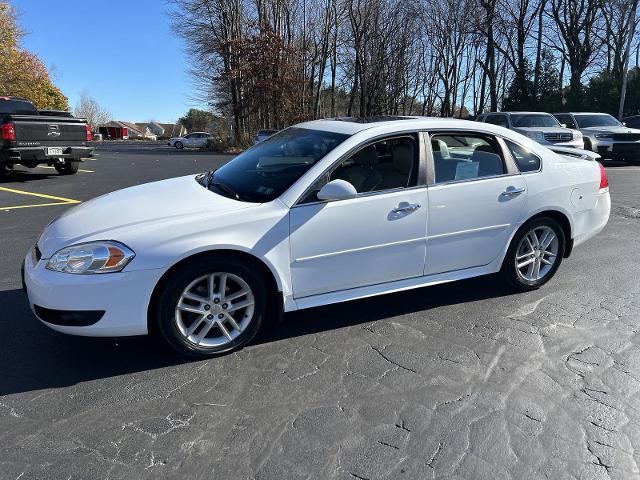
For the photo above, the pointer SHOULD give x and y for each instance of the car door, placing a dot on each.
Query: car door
(376, 237)
(476, 198)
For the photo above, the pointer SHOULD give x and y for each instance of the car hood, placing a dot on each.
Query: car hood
(124, 211)
(609, 130)
(544, 129)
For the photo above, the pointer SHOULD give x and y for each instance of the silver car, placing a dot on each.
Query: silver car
(605, 135)
(539, 126)
(193, 140)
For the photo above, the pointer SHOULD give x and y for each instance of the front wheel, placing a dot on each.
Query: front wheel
(211, 307)
(179, 145)
(67, 168)
(535, 254)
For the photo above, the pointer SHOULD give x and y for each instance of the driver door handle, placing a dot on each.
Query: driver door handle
(406, 207)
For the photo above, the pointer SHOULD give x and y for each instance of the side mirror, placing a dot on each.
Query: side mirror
(624, 124)
(564, 125)
(337, 190)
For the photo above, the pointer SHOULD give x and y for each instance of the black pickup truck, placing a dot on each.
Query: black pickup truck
(29, 138)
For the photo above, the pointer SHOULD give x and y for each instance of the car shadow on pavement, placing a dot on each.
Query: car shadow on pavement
(21, 176)
(367, 310)
(33, 357)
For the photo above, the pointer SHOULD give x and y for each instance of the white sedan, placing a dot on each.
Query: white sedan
(323, 212)
(193, 140)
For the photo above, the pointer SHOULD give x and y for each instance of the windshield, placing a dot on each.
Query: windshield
(601, 120)
(265, 171)
(536, 120)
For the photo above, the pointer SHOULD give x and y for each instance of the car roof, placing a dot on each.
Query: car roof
(406, 123)
(580, 113)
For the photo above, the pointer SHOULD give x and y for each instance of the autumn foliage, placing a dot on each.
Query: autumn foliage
(22, 73)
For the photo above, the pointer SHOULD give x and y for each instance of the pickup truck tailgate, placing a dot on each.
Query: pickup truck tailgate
(34, 131)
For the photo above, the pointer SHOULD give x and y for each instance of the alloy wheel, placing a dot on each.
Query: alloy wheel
(214, 309)
(537, 253)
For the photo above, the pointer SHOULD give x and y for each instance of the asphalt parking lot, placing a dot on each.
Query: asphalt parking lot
(465, 380)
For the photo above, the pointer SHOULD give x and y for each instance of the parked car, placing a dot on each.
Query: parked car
(322, 212)
(193, 140)
(30, 138)
(632, 122)
(262, 135)
(605, 135)
(541, 127)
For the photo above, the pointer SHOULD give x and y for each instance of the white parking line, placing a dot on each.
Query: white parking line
(53, 168)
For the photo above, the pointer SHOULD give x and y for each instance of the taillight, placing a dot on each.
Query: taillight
(604, 181)
(87, 128)
(8, 132)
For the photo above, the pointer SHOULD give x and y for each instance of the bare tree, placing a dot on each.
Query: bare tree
(87, 107)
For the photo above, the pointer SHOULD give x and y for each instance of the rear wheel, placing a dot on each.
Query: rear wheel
(535, 254)
(211, 307)
(67, 168)
(179, 145)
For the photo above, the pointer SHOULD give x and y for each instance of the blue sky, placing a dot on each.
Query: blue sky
(123, 53)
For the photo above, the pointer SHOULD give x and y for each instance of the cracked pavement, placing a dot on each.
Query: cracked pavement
(460, 381)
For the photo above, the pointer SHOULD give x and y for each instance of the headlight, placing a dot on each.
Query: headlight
(92, 257)
(537, 136)
(602, 135)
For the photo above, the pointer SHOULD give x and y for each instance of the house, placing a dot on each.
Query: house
(173, 130)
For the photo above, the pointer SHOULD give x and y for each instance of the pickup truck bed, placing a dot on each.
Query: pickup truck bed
(31, 139)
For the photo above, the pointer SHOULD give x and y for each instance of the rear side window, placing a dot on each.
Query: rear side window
(17, 107)
(500, 120)
(465, 156)
(526, 160)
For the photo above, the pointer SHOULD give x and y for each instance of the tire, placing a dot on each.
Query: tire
(182, 328)
(521, 250)
(67, 168)
(587, 144)
(179, 145)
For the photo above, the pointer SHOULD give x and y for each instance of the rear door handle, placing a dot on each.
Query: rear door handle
(406, 207)
(510, 191)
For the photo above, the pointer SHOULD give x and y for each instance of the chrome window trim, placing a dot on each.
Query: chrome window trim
(420, 180)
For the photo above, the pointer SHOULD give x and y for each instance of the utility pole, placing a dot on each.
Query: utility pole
(627, 52)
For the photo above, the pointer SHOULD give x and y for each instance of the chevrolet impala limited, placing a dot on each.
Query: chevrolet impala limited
(322, 212)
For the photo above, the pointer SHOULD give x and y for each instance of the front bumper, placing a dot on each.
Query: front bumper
(121, 300)
(575, 143)
(616, 150)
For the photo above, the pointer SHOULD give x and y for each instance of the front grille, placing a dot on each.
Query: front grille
(626, 137)
(558, 137)
(627, 149)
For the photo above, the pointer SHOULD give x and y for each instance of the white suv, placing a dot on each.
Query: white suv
(541, 127)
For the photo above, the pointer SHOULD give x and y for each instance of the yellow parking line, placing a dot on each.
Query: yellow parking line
(80, 170)
(41, 195)
(5, 209)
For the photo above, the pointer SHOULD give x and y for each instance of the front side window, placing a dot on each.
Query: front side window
(265, 171)
(526, 160)
(465, 156)
(383, 165)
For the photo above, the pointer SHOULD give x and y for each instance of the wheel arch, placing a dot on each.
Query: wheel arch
(273, 284)
(564, 222)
